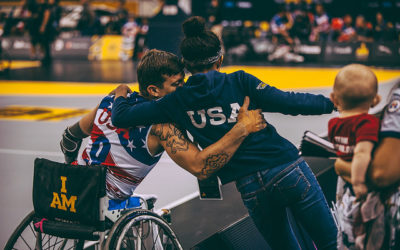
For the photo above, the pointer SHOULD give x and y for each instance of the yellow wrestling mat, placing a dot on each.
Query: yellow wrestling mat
(303, 78)
(20, 64)
(57, 88)
(29, 113)
(280, 77)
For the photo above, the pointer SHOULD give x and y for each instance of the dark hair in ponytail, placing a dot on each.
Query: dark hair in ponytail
(200, 48)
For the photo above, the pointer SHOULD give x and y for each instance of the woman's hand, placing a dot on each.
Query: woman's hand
(252, 120)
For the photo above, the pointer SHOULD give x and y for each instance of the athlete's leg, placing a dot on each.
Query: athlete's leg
(267, 212)
(312, 211)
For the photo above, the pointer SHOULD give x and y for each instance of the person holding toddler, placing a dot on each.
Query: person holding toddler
(354, 134)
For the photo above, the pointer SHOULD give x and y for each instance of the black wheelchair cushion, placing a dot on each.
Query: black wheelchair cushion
(68, 192)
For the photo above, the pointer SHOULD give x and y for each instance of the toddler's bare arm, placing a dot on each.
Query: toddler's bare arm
(359, 166)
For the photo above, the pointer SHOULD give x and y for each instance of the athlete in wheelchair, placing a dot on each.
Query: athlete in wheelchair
(72, 211)
(92, 204)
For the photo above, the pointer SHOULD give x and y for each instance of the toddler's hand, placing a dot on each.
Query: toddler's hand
(360, 190)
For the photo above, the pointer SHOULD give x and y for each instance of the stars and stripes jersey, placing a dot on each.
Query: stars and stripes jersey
(123, 151)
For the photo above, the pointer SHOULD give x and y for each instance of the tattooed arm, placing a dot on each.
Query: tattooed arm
(204, 163)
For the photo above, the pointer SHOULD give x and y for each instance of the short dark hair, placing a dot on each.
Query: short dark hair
(154, 66)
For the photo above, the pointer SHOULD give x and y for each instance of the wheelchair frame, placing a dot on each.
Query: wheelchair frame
(109, 239)
(120, 228)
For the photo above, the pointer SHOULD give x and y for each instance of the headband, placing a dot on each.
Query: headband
(205, 61)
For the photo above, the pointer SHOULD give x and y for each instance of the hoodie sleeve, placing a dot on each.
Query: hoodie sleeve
(124, 115)
(271, 99)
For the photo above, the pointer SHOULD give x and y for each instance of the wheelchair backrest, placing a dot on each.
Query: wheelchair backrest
(69, 193)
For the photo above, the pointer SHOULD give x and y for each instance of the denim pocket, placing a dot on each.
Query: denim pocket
(293, 186)
(248, 186)
(250, 203)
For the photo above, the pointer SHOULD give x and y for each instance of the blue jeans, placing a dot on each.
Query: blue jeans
(268, 193)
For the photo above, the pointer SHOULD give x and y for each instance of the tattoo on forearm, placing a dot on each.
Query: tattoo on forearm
(214, 162)
(172, 136)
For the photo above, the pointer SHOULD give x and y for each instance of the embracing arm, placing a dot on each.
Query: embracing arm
(124, 115)
(271, 99)
(203, 164)
(385, 168)
(343, 169)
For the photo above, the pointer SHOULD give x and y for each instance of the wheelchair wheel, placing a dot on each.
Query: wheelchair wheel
(142, 229)
(25, 237)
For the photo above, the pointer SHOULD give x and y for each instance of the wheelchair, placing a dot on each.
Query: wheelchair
(72, 211)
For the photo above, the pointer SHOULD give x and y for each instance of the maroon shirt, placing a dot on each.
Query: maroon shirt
(346, 132)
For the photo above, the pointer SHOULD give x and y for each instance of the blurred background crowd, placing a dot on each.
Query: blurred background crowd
(250, 30)
(80, 18)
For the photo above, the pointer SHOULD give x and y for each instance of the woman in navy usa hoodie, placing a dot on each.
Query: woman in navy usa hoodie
(267, 169)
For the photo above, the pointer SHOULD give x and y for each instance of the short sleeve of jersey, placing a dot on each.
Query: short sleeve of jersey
(331, 124)
(390, 126)
(368, 129)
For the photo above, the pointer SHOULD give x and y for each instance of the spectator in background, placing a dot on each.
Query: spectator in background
(49, 14)
(140, 44)
(321, 29)
(122, 16)
(32, 25)
(281, 23)
(13, 22)
(390, 34)
(348, 33)
(214, 17)
(130, 28)
(298, 5)
(170, 13)
(214, 13)
(44, 16)
(379, 26)
(301, 29)
(3, 19)
(363, 29)
(383, 31)
(6, 23)
(336, 29)
(87, 21)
